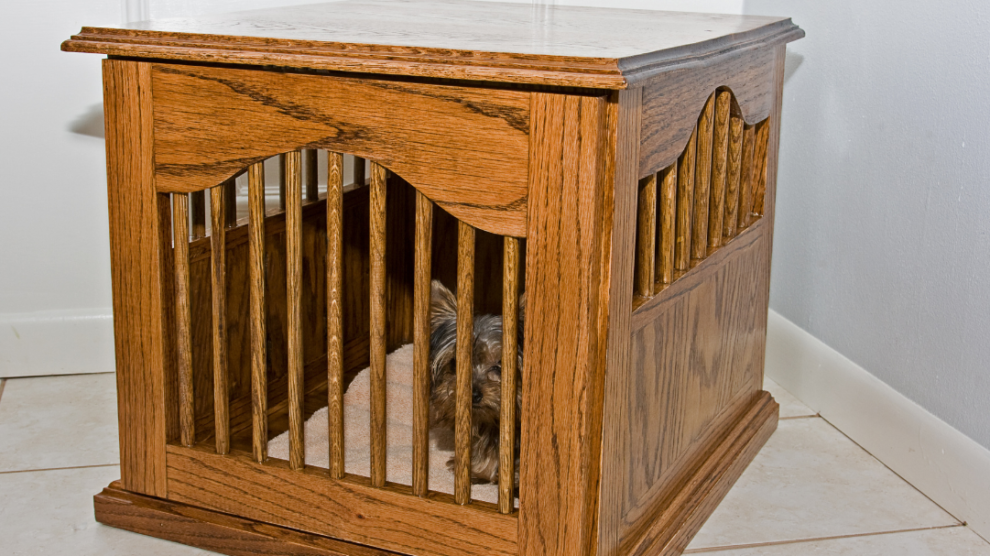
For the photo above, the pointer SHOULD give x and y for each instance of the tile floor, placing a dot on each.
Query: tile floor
(810, 491)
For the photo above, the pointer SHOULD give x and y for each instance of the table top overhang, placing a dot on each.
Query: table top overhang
(450, 39)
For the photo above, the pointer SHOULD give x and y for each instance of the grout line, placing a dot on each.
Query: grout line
(898, 475)
(60, 468)
(798, 417)
(816, 539)
(3, 382)
(55, 375)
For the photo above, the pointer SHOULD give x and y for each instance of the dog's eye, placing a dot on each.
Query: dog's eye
(496, 370)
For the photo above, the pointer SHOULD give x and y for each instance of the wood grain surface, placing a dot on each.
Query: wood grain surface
(218, 295)
(183, 328)
(672, 101)
(685, 204)
(213, 531)
(703, 182)
(210, 123)
(136, 270)
(293, 279)
(510, 372)
(349, 509)
(730, 222)
(646, 238)
(259, 336)
(667, 225)
(746, 178)
(421, 348)
(720, 168)
(377, 217)
(556, 45)
(568, 285)
(464, 363)
(335, 312)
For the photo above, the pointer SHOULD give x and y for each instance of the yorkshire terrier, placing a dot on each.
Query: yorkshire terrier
(486, 372)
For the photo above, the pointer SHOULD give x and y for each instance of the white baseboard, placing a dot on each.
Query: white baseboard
(56, 343)
(944, 464)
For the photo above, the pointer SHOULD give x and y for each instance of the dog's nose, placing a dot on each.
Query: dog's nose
(477, 396)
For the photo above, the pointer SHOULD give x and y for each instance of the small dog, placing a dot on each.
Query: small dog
(486, 367)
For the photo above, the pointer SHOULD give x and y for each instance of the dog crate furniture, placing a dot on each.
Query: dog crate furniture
(617, 166)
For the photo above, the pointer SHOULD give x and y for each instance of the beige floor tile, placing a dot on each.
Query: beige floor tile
(957, 541)
(51, 512)
(809, 482)
(789, 405)
(62, 421)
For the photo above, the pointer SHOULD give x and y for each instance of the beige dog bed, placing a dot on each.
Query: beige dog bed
(357, 419)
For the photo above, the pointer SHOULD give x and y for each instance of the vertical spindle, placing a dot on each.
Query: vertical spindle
(464, 383)
(221, 390)
(183, 319)
(731, 220)
(379, 440)
(702, 183)
(760, 168)
(746, 178)
(720, 153)
(685, 204)
(421, 347)
(510, 350)
(646, 236)
(293, 279)
(335, 314)
(668, 217)
(256, 280)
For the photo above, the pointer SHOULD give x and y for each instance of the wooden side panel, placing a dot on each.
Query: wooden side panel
(672, 101)
(576, 156)
(350, 509)
(210, 123)
(141, 330)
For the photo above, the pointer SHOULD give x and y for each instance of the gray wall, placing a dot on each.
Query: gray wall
(882, 245)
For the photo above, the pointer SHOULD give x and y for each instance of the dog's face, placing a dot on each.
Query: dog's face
(486, 364)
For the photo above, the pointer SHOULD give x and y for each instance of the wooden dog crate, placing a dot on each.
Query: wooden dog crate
(617, 166)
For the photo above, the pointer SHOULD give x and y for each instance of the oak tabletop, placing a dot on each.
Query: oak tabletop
(480, 38)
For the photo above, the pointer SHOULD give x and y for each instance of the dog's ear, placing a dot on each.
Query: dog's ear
(443, 304)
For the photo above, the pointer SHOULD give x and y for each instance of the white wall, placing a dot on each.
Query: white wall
(882, 246)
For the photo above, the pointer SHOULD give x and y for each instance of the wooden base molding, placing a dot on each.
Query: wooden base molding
(214, 531)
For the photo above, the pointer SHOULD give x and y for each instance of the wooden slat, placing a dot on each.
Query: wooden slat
(218, 287)
(731, 221)
(197, 206)
(293, 282)
(349, 509)
(760, 168)
(647, 236)
(312, 173)
(421, 348)
(685, 204)
(379, 440)
(256, 279)
(183, 319)
(720, 153)
(702, 182)
(281, 181)
(510, 349)
(465, 344)
(668, 218)
(335, 311)
(746, 178)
